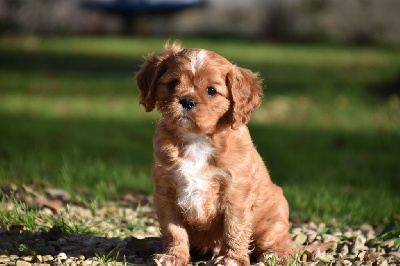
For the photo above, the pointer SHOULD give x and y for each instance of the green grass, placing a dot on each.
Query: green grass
(328, 129)
(31, 219)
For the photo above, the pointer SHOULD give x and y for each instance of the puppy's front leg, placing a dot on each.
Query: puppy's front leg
(175, 237)
(237, 235)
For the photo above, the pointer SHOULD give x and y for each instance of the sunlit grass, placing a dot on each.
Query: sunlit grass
(328, 128)
(125, 108)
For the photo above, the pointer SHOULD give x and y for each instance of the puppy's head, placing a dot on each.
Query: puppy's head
(198, 90)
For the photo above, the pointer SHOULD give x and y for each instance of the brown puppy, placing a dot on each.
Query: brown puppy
(212, 191)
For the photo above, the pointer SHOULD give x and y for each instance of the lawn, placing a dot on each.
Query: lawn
(328, 128)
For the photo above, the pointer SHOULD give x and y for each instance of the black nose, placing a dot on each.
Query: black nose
(187, 103)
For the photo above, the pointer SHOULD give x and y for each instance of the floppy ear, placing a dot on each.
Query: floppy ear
(246, 93)
(150, 71)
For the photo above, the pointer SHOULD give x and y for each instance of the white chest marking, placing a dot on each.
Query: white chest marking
(193, 181)
(197, 60)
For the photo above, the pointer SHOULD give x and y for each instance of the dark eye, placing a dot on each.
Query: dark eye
(211, 91)
(172, 85)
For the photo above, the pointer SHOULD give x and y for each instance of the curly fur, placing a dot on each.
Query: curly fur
(212, 191)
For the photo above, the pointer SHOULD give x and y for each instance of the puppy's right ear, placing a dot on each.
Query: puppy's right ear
(151, 70)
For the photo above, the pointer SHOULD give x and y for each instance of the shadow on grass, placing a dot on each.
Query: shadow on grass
(102, 249)
(68, 63)
(76, 153)
(105, 74)
(362, 158)
(68, 73)
(326, 174)
(387, 88)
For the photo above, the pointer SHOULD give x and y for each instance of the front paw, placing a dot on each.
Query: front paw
(228, 261)
(169, 260)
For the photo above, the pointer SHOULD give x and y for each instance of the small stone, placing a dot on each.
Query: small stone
(394, 254)
(46, 211)
(311, 237)
(359, 244)
(339, 259)
(37, 259)
(338, 234)
(366, 227)
(312, 225)
(383, 263)
(152, 230)
(48, 258)
(388, 243)
(350, 256)
(328, 237)
(361, 255)
(304, 256)
(344, 250)
(57, 193)
(81, 257)
(22, 263)
(4, 259)
(357, 232)
(368, 231)
(348, 234)
(321, 257)
(380, 251)
(370, 236)
(27, 258)
(62, 256)
(296, 230)
(300, 239)
(346, 228)
(347, 262)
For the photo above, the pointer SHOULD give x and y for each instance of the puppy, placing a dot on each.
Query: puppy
(212, 191)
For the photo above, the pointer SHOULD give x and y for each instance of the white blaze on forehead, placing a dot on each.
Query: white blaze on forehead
(197, 60)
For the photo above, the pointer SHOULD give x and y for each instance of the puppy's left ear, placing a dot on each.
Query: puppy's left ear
(151, 70)
(146, 79)
(246, 92)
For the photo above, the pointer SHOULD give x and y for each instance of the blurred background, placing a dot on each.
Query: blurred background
(350, 22)
(328, 128)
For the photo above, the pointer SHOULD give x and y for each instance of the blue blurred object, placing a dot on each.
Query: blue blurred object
(141, 6)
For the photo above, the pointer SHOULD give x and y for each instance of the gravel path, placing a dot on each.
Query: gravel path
(119, 234)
